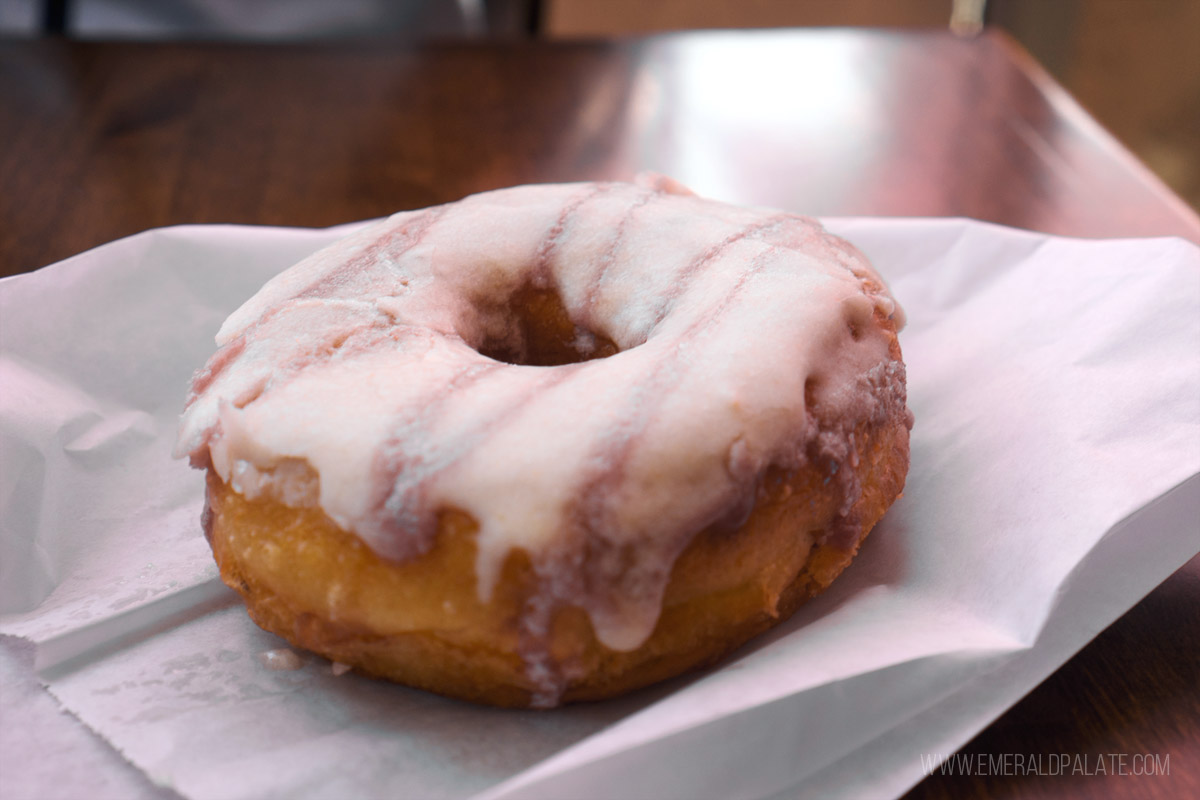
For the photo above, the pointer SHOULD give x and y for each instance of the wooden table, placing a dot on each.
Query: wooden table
(104, 140)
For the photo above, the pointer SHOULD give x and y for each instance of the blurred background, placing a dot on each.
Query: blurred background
(1134, 64)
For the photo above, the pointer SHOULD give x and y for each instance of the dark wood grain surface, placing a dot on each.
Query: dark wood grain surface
(99, 141)
(105, 140)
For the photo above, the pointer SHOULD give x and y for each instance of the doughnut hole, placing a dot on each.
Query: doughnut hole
(541, 333)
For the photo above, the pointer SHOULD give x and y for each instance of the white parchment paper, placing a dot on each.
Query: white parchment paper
(1056, 386)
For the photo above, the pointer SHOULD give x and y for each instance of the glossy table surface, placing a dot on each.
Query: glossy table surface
(102, 140)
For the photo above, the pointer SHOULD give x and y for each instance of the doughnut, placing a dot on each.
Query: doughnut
(550, 443)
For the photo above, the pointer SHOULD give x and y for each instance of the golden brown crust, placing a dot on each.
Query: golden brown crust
(422, 623)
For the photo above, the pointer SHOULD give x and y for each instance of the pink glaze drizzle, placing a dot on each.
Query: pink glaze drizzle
(362, 361)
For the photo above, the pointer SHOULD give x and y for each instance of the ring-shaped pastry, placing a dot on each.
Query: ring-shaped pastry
(551, 443)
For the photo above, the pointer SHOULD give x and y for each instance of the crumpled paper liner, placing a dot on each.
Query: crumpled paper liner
(1056, 387)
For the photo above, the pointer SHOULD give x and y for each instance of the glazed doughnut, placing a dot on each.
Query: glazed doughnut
(550, 443)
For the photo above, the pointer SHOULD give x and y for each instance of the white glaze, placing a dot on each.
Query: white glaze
(361, 363)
